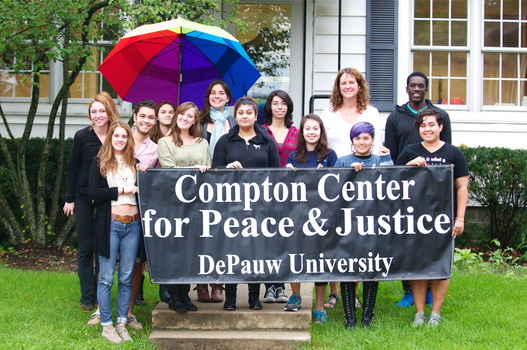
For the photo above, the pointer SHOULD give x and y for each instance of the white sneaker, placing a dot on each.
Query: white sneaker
(419, 319)
(109, 333)
(123, 333)
(134, 323)
(281, 297)
(95, 319)
(270, 295)
(434, 320)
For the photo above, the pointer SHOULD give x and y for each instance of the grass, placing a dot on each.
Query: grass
(40, 310)
(481, 311)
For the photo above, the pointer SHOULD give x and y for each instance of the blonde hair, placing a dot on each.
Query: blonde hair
(107, 160)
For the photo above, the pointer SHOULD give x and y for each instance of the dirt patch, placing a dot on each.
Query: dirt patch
(34, 258)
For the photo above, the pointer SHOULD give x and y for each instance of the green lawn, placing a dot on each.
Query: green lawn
(481, 311)
(40, 310)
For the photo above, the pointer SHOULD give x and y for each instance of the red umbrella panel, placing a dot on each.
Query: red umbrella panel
(176, 61)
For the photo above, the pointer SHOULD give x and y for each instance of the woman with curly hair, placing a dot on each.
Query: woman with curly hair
(349, 104)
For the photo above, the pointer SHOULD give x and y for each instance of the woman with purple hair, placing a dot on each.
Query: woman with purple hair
(362, 136)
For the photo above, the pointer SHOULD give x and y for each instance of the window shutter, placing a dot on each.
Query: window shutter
(381, 53)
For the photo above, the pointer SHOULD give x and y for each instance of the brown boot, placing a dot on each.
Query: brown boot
(203, 293)
(216, 295)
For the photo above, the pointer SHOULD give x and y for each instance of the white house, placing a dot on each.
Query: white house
(474, 52)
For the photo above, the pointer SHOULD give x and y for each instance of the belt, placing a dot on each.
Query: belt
(126, 219)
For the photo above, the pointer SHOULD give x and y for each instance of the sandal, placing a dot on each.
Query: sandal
(357, 303)
(332, 300)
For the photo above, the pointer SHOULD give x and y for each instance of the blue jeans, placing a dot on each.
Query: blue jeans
(124, 241)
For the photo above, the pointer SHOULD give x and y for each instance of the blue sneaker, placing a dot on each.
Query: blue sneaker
(429, 297)
(320, 316)
(407, 300)
(294, 303)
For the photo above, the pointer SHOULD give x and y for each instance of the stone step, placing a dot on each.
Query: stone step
(237, 339)
(212, 327)
(212, 316)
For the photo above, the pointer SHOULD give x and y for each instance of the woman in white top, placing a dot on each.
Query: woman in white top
(348, 105)
(112, 187)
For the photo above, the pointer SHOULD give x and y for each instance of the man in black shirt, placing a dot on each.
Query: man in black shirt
(400, 132)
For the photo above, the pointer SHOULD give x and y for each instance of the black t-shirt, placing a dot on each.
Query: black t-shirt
(446, 155)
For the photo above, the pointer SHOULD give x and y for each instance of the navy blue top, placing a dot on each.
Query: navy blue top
(313, 160)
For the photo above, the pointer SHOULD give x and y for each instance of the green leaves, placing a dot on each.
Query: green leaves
(498, 181)
(76, 33)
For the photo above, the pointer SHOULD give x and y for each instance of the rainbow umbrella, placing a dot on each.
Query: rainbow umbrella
(176, 61)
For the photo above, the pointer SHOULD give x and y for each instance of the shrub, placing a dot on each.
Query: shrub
(498, 182)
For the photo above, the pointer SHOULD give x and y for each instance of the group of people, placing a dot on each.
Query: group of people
(105, 158)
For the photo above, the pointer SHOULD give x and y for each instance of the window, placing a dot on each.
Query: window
(267, 41)
(19, 84)
(275, 42)
(440, 48)
(90, 82)
(481, 45)
(505, 53)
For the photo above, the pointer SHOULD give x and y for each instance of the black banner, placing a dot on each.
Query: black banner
(285, 225)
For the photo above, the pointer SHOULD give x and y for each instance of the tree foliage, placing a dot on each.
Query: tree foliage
(36, 32)
(270, 47)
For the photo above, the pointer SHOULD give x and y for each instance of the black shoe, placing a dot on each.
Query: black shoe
(366, 322)
(177, 306)
(351, 323)
(254, 304)
(188, 304)
(164, 294)
(230, 304)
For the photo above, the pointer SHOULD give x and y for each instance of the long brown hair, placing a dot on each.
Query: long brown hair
(107, 101)
(155, 133)
(321, 149)
(195, 129)
(204, 114)
(363, 95)
(107, 161)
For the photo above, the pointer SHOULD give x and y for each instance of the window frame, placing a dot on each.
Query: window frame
(446, 49)
(475, 50)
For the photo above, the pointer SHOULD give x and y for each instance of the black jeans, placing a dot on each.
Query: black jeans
(87, 263)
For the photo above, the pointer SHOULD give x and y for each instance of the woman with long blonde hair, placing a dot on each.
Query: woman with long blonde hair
(112, 184)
